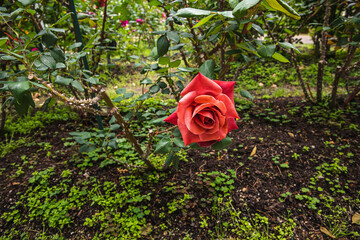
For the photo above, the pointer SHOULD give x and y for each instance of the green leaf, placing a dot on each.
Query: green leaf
(8, 58)
(91, 41)
(48, 103)
(179, 142)
(204, 20)
(3, 75)
(114, 127)
(49, 39)
(242, 7)
(76, 84)
(64, 18)
(49, 61)
(280, 57)
(146, 81)
(23, 103)
(158, 121)
(26, 2)
(175, 161)
(164, 146)
(144, 96)
(164, 60)
(162, 45)
(128, 95)
(75, 45)
(192, 12)
(187, 69)
(233, 3)
(207, 69)
(176, 132)
(60, 65)
(194, 146)
(216, 29)
(118, 99)
(63, 81)
(38, 85)
(267, 50)
(18, 89)
(227, 14)
(93, 80)
(288, 45)
(120, 91)
(154, 3)
(154, 89)
(222, 144)
(177, 47)
(32, 12)
(60, 30)
(258, 29)
(173, 36)
(283, 7)
(169, 159)
(246, 94)
(175, 64)
(57, 54)
(154, 53)
(3, 41)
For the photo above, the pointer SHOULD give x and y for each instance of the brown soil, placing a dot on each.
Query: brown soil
(259, 181)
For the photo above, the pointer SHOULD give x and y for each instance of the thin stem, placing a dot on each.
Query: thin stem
(129, 135)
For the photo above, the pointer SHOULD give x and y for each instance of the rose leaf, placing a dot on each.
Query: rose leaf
(222, 144)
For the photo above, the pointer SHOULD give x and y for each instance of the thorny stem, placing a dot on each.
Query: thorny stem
(152, 134)
(113, 110)
(127, 130)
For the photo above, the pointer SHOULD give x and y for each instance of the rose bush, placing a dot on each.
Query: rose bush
(206, 112)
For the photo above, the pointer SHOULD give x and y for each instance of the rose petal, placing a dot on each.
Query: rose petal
(207, 99)
(207, 114)
(221, 118)
(202, 116)
(231, 112)
(216, 126)
(172, 118)
(200, 107)
(214, 136)
(185, 102)
(232, 124)
(227, 88)
(190, 124)
(203, 86)
(187, 136)
(204, 125)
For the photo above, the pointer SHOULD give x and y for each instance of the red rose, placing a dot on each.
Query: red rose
(206, 112)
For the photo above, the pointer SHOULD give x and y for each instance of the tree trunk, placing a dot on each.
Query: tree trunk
(340, 71)
(322, 61)
(298, 72)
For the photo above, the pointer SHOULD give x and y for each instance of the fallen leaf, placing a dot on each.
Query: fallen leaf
(325, 231)
(291, 134)
(356, 219)
(253, 152)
